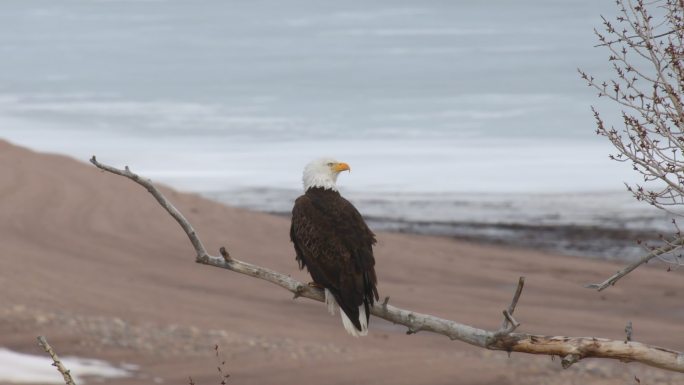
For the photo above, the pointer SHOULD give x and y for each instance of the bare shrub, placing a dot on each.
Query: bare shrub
(646, 44)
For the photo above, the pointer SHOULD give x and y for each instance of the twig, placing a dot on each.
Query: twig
(512, 321)
(220, 366)
(55, 360)
(629, 268)
(514, 301)
(509, 323)
(578, 347)
(632, 37)
(225, 254)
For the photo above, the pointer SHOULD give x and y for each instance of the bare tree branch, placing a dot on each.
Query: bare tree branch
(572, 349)
(628, 269)
(509, 323)
(632, 37)
(628, 331)
(187, 227)
(514, 301)
(55, 360)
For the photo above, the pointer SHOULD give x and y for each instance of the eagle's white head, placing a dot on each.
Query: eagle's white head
(323, 173)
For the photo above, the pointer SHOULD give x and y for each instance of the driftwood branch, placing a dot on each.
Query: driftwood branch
(572, 349)
(55, 360)
(629, 268)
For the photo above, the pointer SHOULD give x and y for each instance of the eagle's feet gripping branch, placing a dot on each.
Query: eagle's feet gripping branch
(315, 285)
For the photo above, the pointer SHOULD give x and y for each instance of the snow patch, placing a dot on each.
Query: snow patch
(19, 368)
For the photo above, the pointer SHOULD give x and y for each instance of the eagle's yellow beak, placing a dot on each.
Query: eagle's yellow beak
(339, 167)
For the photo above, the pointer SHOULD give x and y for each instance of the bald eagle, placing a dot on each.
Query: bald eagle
(334, 243)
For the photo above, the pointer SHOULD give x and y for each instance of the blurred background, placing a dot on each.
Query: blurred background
(465, 118)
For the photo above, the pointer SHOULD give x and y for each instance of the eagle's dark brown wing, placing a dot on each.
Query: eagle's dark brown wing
(334, 243)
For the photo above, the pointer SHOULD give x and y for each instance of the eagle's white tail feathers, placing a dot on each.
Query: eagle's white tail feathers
(349, 326)
(331, 303)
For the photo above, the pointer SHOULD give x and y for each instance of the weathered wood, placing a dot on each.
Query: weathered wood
(42, 341)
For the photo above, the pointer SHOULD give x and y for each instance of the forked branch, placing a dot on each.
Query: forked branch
(572, 349)
(509, 323)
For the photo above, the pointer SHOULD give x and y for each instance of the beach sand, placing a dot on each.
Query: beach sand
(91, 260)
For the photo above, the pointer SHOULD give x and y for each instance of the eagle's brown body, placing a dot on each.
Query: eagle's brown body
(334, 243)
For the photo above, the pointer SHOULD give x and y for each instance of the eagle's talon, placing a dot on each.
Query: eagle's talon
(316, 285)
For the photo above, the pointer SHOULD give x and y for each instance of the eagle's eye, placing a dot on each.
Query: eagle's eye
(330, 164)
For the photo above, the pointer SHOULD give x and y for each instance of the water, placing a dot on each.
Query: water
(435, 104)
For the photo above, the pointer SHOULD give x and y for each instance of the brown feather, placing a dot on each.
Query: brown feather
(334, 243)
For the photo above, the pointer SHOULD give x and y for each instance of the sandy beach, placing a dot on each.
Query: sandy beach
(92, 261)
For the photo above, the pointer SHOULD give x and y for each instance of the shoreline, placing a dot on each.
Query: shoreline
(608, 233)
(596, 243)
